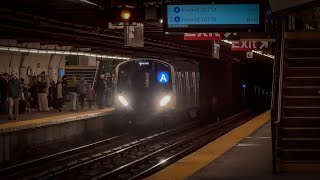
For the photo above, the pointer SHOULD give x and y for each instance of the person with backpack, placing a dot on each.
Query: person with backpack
(14, 92)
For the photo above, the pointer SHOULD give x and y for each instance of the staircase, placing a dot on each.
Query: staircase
(88, 72)
(298, 129)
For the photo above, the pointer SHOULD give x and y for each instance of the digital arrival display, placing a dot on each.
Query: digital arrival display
(212, 15)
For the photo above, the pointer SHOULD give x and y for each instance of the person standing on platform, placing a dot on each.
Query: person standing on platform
(42, 93)
(51, 95)
(33, 94)
(73, 88)
(82, 90)
(100, 91)
(90, 95)
(65, 88)
(4, 93)
(14, 92)
(59, 95)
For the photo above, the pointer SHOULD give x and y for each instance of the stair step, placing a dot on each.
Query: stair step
(312, 166)
(302, 62)
(302, 90)
(299, 154)
(304, 101)
(301, 111)
(299, 132)
(303, 53)
(290, 44)
(300, 122)
(299, 143)
(302, 71)
(302, 81)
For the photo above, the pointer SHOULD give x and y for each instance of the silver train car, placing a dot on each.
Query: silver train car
(149, 88)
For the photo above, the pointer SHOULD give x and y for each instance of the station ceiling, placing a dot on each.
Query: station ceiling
(83, 24)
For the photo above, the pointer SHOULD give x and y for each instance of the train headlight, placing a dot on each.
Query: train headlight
(123, 100)
(165, 100)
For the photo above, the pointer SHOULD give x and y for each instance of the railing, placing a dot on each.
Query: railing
(277, 87)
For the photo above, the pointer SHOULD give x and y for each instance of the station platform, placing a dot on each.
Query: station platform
(243, 153)
(41, 119)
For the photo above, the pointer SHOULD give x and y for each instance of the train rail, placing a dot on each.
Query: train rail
(133, 160)
(71, 159)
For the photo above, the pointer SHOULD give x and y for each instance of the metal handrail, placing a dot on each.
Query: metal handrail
(280, 87)
(277, 88)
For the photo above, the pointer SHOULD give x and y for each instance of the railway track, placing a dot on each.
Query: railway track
(133, 160)
(66, 161)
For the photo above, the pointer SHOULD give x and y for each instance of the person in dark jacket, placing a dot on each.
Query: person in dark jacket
(100, 91)
(65, 88)
(14, 91)
(4, 93)
(51, 95)
(42, 93)
(33, 94)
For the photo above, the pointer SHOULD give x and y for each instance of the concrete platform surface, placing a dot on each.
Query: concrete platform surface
(251, 159)
(39, 119)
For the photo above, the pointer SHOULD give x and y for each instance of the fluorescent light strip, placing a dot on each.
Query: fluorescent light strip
(40, 51)
(254, 51)
(226, 41)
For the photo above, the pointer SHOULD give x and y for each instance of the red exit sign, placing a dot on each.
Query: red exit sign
(203, 36)
(250, 45)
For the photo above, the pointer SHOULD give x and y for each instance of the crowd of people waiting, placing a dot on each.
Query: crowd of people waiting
(43, 94)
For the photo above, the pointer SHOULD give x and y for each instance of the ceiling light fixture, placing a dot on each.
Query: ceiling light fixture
(42, 51)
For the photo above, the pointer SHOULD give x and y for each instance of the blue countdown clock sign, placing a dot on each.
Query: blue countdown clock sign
(163, 77)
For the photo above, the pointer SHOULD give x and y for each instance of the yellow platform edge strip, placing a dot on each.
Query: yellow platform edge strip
(60, 118)
(192, 163)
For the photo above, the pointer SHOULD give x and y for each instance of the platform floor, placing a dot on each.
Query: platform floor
(249, 158)
(39, 119)
(37, 115)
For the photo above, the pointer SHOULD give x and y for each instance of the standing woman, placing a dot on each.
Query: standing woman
(73, 93)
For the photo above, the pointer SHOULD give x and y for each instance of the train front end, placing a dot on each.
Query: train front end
(144, 89)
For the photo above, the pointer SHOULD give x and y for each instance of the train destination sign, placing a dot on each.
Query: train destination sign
(209, 17)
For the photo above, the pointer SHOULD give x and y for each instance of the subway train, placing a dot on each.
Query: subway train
(149, 88)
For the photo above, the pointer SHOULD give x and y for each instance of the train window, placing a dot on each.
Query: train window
(147, 79)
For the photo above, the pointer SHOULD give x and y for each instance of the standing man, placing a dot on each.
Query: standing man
(4, 93)
(42, 93)
(14, 91)
(82, 90)
(100, 91)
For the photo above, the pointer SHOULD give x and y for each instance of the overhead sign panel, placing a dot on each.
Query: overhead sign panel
(133, 35)
(208, 17)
